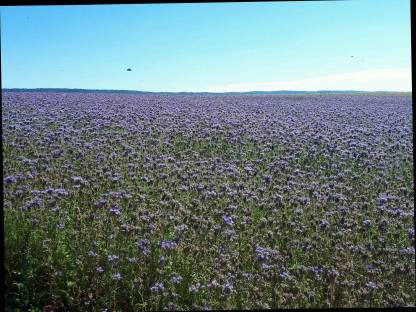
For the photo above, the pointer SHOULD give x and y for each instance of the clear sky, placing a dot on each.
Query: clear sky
(308, 45)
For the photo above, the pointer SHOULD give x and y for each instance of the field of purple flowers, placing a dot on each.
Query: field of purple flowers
(166, 202)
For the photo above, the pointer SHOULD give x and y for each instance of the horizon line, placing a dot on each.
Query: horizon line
(209, 92)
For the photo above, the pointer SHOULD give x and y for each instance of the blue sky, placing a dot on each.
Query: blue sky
(209, 47)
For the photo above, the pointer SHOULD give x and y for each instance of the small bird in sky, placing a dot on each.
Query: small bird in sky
(128, 69)
(352, 55)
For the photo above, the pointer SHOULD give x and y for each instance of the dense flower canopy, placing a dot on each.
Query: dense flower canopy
(150, 202)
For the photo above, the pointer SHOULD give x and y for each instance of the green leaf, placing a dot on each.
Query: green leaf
(70, 283)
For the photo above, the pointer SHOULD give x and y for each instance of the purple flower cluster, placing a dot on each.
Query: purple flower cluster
(166, 244)
(176, 279)
(143, 245)
(115, 210)
(157, 288)
(228, 220)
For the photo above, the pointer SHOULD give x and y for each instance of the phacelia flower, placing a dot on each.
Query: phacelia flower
(115, 210)
(117, 276)
(177, 279)
(228, 220)
(157, 288)
(324, 224)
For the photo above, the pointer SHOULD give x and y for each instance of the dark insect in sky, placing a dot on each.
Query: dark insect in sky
(128, 69)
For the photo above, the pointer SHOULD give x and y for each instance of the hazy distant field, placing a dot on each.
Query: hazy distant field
(132, 202)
